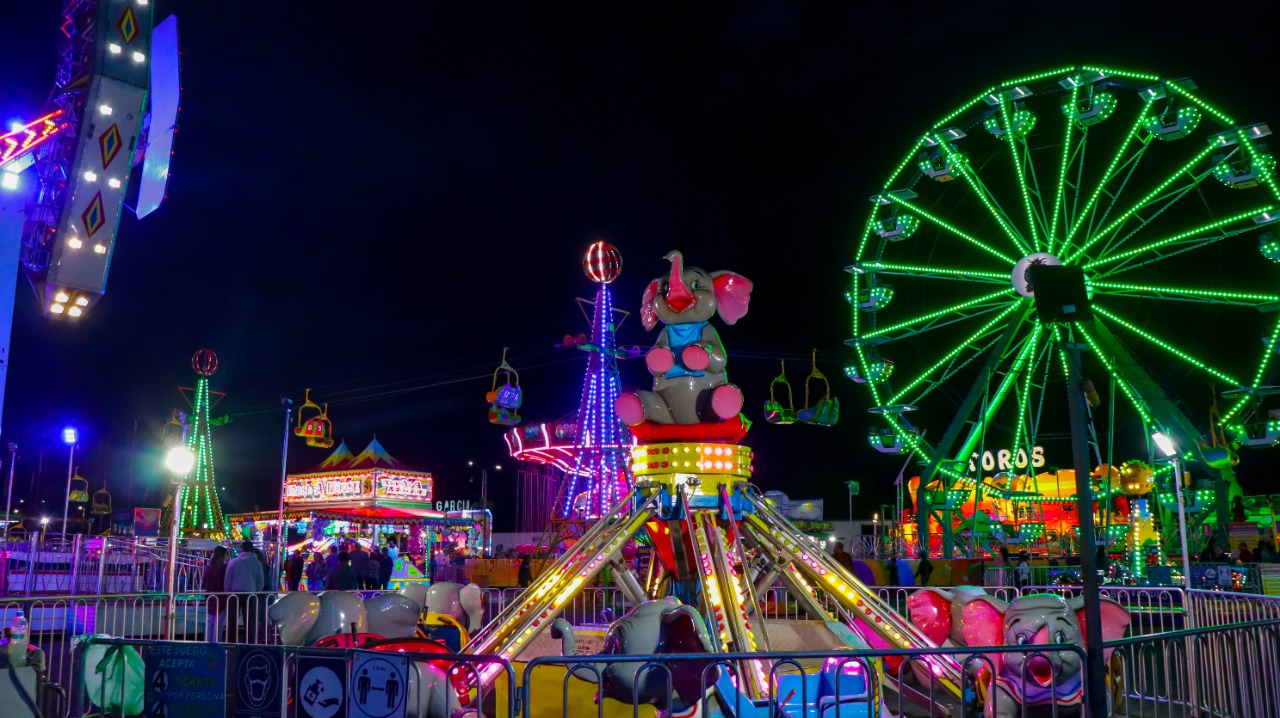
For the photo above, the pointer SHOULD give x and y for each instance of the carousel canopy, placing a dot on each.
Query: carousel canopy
(372, 479)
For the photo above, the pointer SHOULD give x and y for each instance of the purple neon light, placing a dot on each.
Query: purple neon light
(602, 445)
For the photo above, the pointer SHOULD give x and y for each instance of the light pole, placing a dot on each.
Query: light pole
(1167, 447)
(484, 482)
(8, 500)
(69, 437)
(875, 534)
(284, 477)
(179, 461)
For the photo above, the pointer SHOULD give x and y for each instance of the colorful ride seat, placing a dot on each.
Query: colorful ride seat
(774, 411)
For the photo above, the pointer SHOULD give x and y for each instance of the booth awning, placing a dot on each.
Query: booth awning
(381, 515)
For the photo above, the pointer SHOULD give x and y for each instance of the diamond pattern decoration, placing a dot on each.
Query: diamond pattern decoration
(128, 25)
(94, 217)
(109, 142)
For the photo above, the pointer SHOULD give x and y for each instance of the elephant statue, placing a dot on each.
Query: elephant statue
(687, 360)
(464, 603)
(436, 698)
(652, 627)
(1037, 620)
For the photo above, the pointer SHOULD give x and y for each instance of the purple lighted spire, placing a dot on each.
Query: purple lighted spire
(601, 473)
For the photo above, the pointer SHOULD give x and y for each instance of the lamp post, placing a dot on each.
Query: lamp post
(69, 437)
(484, 482)
(874, 535)
(284, 477)
(8, 500)
(179, 461)
(1170, 450)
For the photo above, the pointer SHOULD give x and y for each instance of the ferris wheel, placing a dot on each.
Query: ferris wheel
(1166, 203)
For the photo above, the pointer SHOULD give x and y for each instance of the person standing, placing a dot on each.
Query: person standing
(842, 557)
(385, 568)
(359, 563)
(342, 578)
(393, 551)
(331, 561)
(317, 570)
(244, 576)
(524, 576)
(375, 570)
(215, 582)
(924, 569)
(293, 571)
(1022, 574)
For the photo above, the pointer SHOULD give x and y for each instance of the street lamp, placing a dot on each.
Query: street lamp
(1167, 447)
(875, 534)
(70, 437)
(179, 461)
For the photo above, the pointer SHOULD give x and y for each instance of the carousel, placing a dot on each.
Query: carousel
(371, 498)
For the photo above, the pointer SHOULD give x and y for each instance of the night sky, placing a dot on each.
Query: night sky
(374, 200)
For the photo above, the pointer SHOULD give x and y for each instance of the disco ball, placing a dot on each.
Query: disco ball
(1136, 478)
(602, 263)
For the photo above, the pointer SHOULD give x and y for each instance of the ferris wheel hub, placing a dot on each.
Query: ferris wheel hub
(1021, 275)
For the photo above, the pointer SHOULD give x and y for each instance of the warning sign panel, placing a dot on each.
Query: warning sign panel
(184, 679)
(378, 683)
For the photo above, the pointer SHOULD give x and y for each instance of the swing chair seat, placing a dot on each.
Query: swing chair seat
(503, 416)
(729, 431)
(507, 396)
(825, 413)
(776, 414)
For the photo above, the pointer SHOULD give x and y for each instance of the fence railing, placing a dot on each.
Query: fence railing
(77, 565)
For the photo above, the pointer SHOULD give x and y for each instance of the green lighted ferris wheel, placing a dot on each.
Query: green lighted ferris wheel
(1164, 201)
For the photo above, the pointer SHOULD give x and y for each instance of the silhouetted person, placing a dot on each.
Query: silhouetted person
(342, 578)
(524, 576)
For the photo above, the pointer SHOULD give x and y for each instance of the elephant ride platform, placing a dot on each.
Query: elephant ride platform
(696, 622)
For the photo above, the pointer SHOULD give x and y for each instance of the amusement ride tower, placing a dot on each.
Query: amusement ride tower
(600, 475)
(201, 510)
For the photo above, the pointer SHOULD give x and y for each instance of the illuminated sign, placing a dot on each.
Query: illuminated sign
(324, 489)
(1004, 460)
(27, 137)
(359, 488)
(453, 506)
(404, 489)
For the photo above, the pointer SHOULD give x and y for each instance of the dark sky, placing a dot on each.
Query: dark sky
(369, 199)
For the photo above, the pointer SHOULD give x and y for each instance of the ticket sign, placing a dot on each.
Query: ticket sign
(184, 679)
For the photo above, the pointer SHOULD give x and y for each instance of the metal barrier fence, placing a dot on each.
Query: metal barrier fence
(78, 565)
(1227, 670)
(423, 693)
(855, 684)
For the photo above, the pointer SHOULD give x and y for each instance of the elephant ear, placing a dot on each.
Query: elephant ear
(648, 312)
(930, 611)
(684, 632)
(733, 292)
(984, 625)
(1115, 621)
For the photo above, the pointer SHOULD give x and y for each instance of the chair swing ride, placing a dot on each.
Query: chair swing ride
(823, 412)
(313, 424)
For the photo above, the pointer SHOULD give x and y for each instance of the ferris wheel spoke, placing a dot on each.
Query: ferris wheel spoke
(990, 326)
(1019, 159)
(1024, 395)
(997, 400)
(1153, 339)
(1060, 196)
(956, 365)
(1152, 197)
(927, 272)
(934, 219)
(1079, 219)
(1183, 242)
(1268, 358)
(938, 318)
(972, 179)
(1185, 294)
(1139, 404)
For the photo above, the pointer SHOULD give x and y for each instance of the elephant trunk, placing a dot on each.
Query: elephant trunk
(679, 298)
(562, 631)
